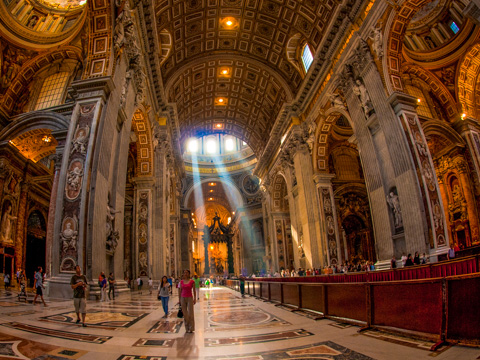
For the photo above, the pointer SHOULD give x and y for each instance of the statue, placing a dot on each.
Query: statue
(80, 140)
(69, 238)
(6, 229)
(112, 235)
(377, 37)
(337, 101)
(32, 22)
(361, 91)
(394, 203)
(74, 178)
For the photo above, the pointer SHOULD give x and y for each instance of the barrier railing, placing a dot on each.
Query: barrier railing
(462, 266)
(440, 309)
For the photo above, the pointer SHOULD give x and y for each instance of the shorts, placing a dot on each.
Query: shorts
(80, 305)
(39, 291)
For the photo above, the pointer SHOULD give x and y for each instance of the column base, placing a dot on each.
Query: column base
(59, 287)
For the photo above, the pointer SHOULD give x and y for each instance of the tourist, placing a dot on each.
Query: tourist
(416, 258)
(139, 285)
(393, 263)
(187, 300)
(6, 281)
(79, 284)
(38, 285)
(103, 287)
(424, 259)
(451, 252)
(111, 284)
(164, 294)
(404, 259)
(409, 261)
(197, 285)
(242, 285)
(150, 285)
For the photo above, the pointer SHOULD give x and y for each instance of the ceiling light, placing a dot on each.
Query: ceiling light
(47, 139)
(210, 199)
(212, 184)
(463, 116)
(225, 72)
(219, 126)
(229, 22)
(419, 100)
(220, 100)
(211, 191)
(211, 247)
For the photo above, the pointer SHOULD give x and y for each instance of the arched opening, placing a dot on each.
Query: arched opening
(35, 245)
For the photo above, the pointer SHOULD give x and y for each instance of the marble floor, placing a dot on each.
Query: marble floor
(227, 327)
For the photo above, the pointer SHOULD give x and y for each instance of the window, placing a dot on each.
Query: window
(193, 146)
(454, 27)
(211, 146)
(52, 90)
(422, 105)
(229, 144)
(307, 57)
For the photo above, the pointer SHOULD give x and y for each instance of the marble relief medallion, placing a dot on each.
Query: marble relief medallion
(235, 319)
(74, 179)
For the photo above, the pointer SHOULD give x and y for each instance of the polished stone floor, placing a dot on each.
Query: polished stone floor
(227, 327)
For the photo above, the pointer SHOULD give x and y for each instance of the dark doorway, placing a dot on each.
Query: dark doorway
(36, 245)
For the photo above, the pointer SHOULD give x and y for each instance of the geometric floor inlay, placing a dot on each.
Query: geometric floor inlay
(166, 327)
(9, 349)
(99, 318)
(237, 319)
(58, 333)
(255, 339)
(138, 357)
(323, 350)
(155, 342)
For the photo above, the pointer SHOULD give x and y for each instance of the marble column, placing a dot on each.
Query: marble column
(308, 213)
(432, 222)
(143, 244)
(127, 251)
(21, 230)
(462, 167)
(330, 233)
(51, 210)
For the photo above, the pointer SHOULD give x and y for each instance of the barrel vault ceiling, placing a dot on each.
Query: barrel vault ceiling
(230, 65)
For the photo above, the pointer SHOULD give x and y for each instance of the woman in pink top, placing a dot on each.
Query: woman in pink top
(187, 297)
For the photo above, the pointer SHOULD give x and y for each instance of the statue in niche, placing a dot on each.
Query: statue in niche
(393, 201)
(7, 224)
(360, 90)
(112, 235)
(68, 237)
(32, 22)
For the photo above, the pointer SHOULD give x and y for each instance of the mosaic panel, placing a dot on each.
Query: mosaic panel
(322, 350)
(256, 339)
(99, 318)
(94, 339)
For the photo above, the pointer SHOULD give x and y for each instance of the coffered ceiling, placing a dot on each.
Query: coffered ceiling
(249, 39)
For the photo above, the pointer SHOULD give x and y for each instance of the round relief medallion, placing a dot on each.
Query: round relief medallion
(251, 184)
(239, 317)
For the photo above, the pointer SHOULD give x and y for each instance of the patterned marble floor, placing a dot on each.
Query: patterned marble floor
(227, 327)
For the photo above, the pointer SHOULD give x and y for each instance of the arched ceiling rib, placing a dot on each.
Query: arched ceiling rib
(255, 48)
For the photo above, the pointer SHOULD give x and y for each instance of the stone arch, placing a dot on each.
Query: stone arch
(436, 87)
(439, 128)
(279, 192)
(398, 27)
(142, 129)
(469, 82)
(320, 149)
(25, 75)
(235, 194)
(33, 121)
(292, 48)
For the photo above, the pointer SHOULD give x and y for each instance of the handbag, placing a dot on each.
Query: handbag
(180, 313)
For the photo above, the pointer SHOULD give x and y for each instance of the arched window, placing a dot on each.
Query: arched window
(52, 90)
(307, 57)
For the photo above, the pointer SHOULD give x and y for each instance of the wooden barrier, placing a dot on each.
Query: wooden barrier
(441, 309)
